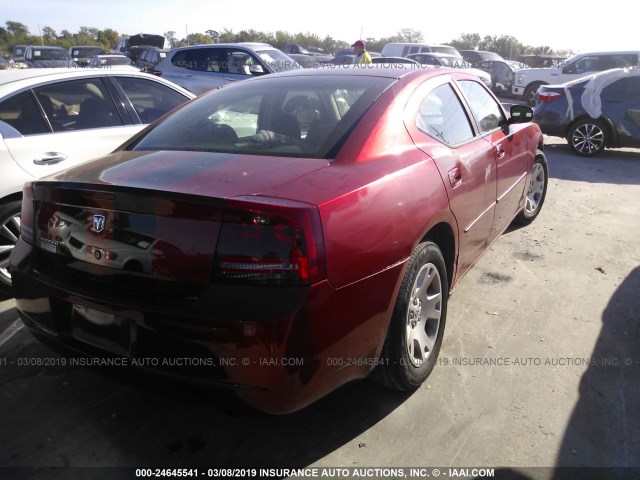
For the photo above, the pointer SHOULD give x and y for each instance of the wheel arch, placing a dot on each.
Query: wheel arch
(442, 235)
(611, 137)
(11, 198)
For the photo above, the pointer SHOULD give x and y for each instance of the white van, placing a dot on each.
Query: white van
(404, 49)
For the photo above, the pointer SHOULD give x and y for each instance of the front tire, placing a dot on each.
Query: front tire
(9, 233)
(417, 325)
(531, 94)
(537, 191)
(587, 137)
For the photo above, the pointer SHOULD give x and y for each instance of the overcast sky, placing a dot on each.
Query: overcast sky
(581, 27)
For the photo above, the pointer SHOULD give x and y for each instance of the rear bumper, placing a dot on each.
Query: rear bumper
(551, 122)
(284, 349)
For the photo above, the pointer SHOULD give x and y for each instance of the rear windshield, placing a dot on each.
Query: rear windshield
(86, 51)
(290, 116)
(50, 54)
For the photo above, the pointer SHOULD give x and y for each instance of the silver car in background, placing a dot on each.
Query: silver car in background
(200, 68)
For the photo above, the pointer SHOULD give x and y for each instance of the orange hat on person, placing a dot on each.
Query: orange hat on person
(359, 43)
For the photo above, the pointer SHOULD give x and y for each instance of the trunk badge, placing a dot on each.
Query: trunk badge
(98, 223)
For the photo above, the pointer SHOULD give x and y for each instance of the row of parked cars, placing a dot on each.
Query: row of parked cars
(144, 57)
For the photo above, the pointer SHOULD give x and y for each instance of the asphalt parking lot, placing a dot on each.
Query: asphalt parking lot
(539, 369)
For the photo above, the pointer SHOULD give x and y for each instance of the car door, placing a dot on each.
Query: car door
(63, 124)
(442, 127)
(621, 104)
(198, 69)
(505, 142)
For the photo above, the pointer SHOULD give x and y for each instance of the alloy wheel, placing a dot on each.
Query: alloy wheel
(9, 233)
(424, 314)
(588, 139)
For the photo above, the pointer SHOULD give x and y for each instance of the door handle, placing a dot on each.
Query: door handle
(455, 177)
(50, 158)
(499, 151)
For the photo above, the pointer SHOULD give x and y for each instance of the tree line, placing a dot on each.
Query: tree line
(16, 33)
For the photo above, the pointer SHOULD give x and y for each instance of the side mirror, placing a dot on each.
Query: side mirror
(520, 114)
(256, 69)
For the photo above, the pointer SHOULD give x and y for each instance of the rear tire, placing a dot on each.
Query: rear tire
(9, 233)
(417, 326)
(587, 137)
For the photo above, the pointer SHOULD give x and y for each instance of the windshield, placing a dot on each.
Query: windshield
(117, 60)
(86, 51)
(303, 116)
(50, 54)
(278, 60)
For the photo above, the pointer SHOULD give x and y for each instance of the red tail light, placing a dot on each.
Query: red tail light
(273, 242)
(546, 97)
(157, 73)
(27, 214)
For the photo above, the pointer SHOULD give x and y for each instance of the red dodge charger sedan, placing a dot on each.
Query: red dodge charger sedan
(281, 236)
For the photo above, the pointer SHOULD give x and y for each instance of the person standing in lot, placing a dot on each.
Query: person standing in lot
(362, 56)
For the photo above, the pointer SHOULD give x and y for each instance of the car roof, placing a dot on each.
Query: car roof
(433, 54)
(18, 79)
(249, 45)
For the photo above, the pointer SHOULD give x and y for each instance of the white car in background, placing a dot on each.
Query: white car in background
(53, 119)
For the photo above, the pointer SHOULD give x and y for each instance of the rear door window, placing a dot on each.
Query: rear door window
(78, 105)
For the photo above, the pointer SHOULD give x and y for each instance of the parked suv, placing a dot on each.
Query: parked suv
(200, 68)
(47, 57)
(150, 57)
(134, 45)
(528, 80)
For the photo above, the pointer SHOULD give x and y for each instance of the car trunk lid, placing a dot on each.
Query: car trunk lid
(138, 216)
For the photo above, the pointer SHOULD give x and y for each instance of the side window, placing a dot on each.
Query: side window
(78, 105)
(484, 107)
(150, 99)
(23, 114)
(588, 64)
(633, 86)
(239, 62)
(441, 115)
(191, 59)
(622, 61)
